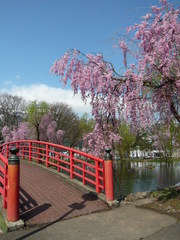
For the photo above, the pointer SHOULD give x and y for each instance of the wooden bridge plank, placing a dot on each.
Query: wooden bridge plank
(45, 198)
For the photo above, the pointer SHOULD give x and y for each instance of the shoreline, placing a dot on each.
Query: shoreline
(148, 160)
(165, 200)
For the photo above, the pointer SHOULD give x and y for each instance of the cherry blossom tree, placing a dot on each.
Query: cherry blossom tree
(92, 76)
(148, 89)
(7, 134)
(22, 132)
(48, 130)
(157, 44)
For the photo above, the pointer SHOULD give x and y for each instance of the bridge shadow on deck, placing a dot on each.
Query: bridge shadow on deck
(75, 206)
(29, 208)
(45, 198)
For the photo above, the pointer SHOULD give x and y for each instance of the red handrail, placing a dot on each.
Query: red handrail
(3, 179)
(77, 164)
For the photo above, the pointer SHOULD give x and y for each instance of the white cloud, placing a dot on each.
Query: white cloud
(7, 82)
(42, 92)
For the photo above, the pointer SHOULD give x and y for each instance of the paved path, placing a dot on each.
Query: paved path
(45, 198)
(124, 223)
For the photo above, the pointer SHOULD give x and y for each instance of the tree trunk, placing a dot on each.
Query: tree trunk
(174, 111)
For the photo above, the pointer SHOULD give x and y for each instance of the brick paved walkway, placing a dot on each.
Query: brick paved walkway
(45, 198)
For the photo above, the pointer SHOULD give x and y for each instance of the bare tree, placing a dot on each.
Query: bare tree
(12, 110)
(67, 121)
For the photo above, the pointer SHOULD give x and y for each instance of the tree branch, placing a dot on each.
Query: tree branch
(174, 111)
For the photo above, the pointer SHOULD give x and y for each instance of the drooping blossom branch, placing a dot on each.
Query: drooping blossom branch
(147, 88)
(158, 57)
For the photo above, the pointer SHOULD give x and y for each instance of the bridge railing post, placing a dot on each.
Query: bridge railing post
(71, 164)
(47, 155)
(5, 187)
(30, 151)
(97, 176)
(17, 146)
(108, 168)
(7, 151)
(13, 186)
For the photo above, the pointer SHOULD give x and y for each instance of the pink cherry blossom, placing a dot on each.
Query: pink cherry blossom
(147, 89)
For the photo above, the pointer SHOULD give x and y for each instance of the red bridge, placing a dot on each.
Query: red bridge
(46, 196)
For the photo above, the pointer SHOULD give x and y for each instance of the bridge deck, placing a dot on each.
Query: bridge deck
(45, 198)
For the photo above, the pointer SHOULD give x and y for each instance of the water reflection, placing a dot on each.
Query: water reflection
(130, 177)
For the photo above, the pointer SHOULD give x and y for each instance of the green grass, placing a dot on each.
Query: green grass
(3, 226)
(166, 193)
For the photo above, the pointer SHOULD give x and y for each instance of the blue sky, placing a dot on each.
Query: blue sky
(34, 33)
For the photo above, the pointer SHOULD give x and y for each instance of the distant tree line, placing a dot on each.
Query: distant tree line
(58, 123)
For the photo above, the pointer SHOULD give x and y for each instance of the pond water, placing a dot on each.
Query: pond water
(131, 177)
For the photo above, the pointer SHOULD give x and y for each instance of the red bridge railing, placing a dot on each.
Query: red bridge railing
(77, 164)
(93, 171)
(3, 179)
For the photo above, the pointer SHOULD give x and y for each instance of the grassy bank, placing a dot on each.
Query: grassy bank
(166, 201)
